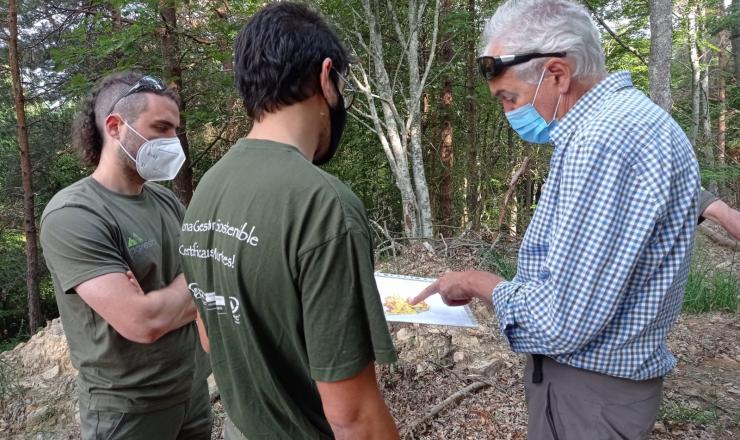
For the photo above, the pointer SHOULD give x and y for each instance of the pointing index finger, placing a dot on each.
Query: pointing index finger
(426, 293)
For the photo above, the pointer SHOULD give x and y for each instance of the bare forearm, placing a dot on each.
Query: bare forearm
(171, 308)
(374, 423)
(482, 284)
(355, 408)
(722, 214)
(731, 223)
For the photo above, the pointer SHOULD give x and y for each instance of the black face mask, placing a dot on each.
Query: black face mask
(337, 120)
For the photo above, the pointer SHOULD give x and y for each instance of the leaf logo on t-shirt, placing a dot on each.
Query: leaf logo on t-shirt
(134, 240)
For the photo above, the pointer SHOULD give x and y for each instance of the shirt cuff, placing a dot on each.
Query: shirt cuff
(502, 297)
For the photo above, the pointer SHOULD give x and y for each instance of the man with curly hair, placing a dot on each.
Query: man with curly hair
(110, 242)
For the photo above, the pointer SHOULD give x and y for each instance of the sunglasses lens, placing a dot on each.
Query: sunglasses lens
(349, 99)
(150, 83)
(487, 67)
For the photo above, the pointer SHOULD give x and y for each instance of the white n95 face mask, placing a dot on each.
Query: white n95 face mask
(157, 159)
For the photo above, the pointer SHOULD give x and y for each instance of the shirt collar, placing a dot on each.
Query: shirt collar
(588, 105)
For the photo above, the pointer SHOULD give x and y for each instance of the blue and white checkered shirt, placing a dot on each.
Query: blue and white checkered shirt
(604, 262)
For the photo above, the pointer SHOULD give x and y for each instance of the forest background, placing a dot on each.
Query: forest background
(426, 148)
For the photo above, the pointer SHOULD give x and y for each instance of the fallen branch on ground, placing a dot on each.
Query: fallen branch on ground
(453, 398)
(719, 239)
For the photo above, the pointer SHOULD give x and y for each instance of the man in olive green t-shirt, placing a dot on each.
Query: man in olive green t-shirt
(110, 242)
(278, 254)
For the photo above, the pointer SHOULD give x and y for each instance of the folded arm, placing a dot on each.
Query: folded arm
(139, 317)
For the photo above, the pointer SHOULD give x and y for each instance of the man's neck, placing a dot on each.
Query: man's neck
(298, 125)
(112, 174)
(578, 89)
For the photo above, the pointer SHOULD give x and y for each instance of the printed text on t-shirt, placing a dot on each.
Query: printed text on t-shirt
(241, 234)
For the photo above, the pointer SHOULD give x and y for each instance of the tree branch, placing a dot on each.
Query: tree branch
(719, 239)
(601, 21)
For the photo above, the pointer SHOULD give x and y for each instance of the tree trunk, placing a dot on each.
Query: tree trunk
(735, 31)
(661, 43)
(705, 117)
(115, 16)
(399, 137)
(695, 74)
(471, 118)
(183, 183)
(222, 13)
(705, 54)
(721, 90)
(446, 149)
(29, 217)
(416, 87)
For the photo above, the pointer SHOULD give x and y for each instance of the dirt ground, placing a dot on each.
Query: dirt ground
(701, 399)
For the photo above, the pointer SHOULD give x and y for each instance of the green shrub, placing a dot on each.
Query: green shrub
(498, 263)
(710, 291)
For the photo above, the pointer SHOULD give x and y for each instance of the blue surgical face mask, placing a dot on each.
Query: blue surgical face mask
(528, 122)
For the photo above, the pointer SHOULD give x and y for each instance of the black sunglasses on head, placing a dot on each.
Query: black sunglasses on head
(490, 67)
(147, 83)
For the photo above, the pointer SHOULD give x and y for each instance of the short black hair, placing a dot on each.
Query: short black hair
(278, 56)
(88, 126)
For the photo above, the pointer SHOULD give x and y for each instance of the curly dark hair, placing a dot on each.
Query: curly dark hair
(88, 126)
(278, 56)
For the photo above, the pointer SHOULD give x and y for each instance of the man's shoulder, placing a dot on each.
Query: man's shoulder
(163, 196)
(159, 190)
(632, 112)
(336, 188)
(77, 195)
(628, 122)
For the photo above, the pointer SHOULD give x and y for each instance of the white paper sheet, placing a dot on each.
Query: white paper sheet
(407, 287)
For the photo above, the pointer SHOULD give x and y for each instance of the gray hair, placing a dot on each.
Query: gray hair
(525, 26)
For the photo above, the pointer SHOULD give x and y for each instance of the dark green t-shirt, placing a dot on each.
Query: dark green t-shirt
(88, 231)
(278, 256)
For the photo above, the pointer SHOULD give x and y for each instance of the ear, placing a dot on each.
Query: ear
(327, 85)
(560, 69)
(112, 126)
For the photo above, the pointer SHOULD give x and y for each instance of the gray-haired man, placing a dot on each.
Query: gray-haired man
(604, 262)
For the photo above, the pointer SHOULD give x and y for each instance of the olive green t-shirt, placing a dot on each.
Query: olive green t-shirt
(88, 231)
(278, 256)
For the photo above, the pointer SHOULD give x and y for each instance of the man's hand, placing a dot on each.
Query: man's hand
(459, 288)
(134, 282)
(202, 334)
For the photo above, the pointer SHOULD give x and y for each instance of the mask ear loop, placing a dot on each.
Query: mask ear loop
(124, 148)
(127, 153)
(556, 109)
(134, 130)
(538, 91)
(538, 86)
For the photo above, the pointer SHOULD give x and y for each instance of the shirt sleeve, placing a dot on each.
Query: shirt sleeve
(706, 198)
(78, 246)
(606, 217)
(343, 321)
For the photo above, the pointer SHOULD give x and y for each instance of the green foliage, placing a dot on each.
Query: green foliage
(711, 291)
(719, 174)
(682, 413)
(498, 263)
(361, 164)
(64, 53)
(13, 307)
